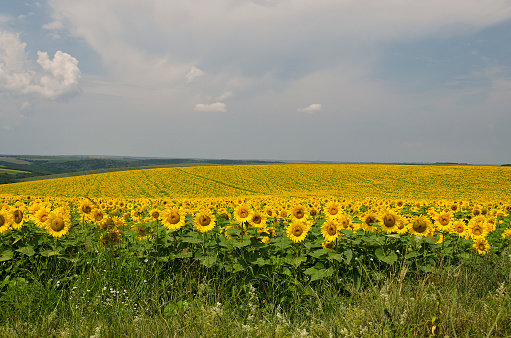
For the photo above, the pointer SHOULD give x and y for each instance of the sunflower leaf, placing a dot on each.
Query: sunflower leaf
(27, 250)
(6, 255)
(208, 261)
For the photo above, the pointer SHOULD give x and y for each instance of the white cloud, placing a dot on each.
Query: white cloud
(25, 105)
(55, 25)
(315, 107)
(58, 77)
(213, 107)
(193, 74)
(225, 95)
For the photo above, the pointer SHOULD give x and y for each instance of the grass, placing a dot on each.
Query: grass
(112, 293)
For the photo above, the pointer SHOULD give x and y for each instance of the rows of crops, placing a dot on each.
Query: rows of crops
(330, 227)
(355, 181)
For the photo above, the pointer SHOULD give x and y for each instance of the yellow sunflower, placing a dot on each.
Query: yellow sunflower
(297, 230)
(329, 231)
(155, 214)
(85, 208)
(443, 220)
(344, 221)
(299, 212)
(481, 245)
(403, 225)
(41, 217)
(477, 227)
(4, 221)
(460, 228)
(59, 222)
(421, 226)
(328, 245)
(204, 221)
(173, 218)
(258, 220)
(390, 220)
(17, 219)
(332, 209)
(369, 221)
(243, 213)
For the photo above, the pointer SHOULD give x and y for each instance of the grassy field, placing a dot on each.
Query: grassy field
(259, 251)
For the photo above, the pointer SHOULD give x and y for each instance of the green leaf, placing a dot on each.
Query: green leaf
(192, 240)
(48, 253)
(349, 255)
(207, 261)
(336, 256)
(357, 279)
(319, 253)
(391, 258)
(295, 261)
(27, 250)
(241, 244)
(6, 255)
(412, 254)
(319, 272)
(261, 261)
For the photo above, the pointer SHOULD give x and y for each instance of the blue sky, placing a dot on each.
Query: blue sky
(332, 80)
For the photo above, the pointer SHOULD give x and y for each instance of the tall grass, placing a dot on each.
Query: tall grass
(112, 293)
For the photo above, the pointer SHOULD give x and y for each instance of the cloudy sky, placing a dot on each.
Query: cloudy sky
(331, 80)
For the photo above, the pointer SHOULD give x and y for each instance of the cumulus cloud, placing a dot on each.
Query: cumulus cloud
(55, 25)
(193, 74)
(315, 107)
(212, 107)
(57, 78)
(225, 95)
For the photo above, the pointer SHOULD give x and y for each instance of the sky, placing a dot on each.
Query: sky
(298, 80)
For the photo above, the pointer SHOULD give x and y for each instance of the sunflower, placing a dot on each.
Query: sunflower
(59, 222)
(299, 212)
(505, 234)
(344, 221)
(390, 219)
(243, 213)
(98, 216)
(17, 219)
(41, 217)
(173, 218)
(460, 228)
(258, 220)
(86, 207)
(477, 227)
(403, 225)
(443, 220)
(421, 226)
(4, 221)
(332, 209)
(481, 245)
(155, 214)
(329, 231)
(369, 221)
(297, 230)
(204, 221)
(328, 245)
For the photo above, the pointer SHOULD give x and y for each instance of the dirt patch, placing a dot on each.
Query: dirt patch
(13, 160)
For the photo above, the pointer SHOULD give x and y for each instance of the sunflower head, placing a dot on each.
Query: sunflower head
(297, 230)
(299, 212)
(421, 226)
(204, 221)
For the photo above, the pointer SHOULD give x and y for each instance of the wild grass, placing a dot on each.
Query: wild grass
(113, 293)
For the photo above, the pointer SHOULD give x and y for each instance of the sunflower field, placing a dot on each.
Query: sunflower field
(294, 225)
